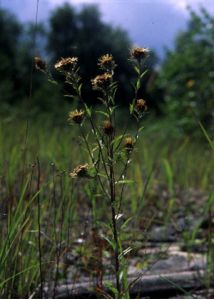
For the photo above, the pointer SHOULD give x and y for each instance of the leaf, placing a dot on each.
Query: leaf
(117, 139)
(102, 175)
(207, 136)
(111, 243)
(144, 73)
(88, 110)
(126, 222)
(117, 217)
(113, 108)
(169, 174)
(114, 93)
(95, 149)
(110, 286)
(121, 276)
(141, 128)
(103, 224)
(113, 85)
(80, 88)
(52, 81)
(125, 181)
(102, 113)
(70, 96)
(125, 252)
(210, 200)
(137, 70)
(138, 84)
(131, 108)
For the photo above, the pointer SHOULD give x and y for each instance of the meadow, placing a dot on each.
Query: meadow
(47, 220)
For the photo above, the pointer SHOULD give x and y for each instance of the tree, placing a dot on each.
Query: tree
(187, 73)
(9, 39)
(17, 49)
(85, 35)
(70, 32)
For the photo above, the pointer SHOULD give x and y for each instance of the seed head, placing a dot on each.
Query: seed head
(101, 81)
(190, 83)
(128, 143)
(80, 171)
(66, 64)
(108, 127)
(139, 53)
(76, 116)
(106, 62)
(141, 105)
(40, 64)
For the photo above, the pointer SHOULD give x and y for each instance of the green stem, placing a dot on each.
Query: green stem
(39, 229)
(114, 224)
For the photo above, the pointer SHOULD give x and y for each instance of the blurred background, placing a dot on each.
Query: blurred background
(179, 83)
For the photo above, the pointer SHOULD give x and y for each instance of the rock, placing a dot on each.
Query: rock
(179, 261)
(163, 234)
(173, 263)
(158, 285)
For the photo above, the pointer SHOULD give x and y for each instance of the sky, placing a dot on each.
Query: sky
(150, 23)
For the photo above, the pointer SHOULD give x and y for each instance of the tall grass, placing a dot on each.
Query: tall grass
(162, 159)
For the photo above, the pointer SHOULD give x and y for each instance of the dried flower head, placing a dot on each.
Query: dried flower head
(76, 116)
(190, 83)
(40, 64)
(101, 81)
(141, 105)
(139, 53)
(128, 143)
(108, 127)
(66, 64)
(106, 62)
(80, 171)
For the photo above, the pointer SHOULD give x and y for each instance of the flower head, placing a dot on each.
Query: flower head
(101, 81)
(40, 64)
(66, 64)
(139, 53)
(108, 127)
(190, 83)
(80, 171)
(141, 105)
(76, 116)
(106, 62)
(129, 144)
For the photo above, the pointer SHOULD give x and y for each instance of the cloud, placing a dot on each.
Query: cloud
(195, 4)
(25, 10)
(180, 5)
(150, 23)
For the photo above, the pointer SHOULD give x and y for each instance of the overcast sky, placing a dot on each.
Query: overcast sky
(150, 23)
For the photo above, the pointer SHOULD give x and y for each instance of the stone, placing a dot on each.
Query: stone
(163, 234)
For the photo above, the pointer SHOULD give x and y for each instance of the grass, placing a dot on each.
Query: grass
(162, 160)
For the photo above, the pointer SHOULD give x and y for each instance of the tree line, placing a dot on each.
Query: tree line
(181, 84)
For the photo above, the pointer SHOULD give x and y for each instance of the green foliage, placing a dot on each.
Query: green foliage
(69, 33)
(186, 75)
(85, 35)
(52, 142)
(10, 34)
(17, 48)
(109, 153)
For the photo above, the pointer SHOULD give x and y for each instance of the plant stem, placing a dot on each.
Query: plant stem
(113, 215)
(39, 228)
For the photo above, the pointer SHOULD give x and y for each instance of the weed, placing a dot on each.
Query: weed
(110, 152)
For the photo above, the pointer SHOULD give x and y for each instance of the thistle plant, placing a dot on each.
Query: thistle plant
(109, 148)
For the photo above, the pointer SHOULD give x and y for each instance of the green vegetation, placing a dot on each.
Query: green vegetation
(187, 73)
(163, 165)
(54, 228)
